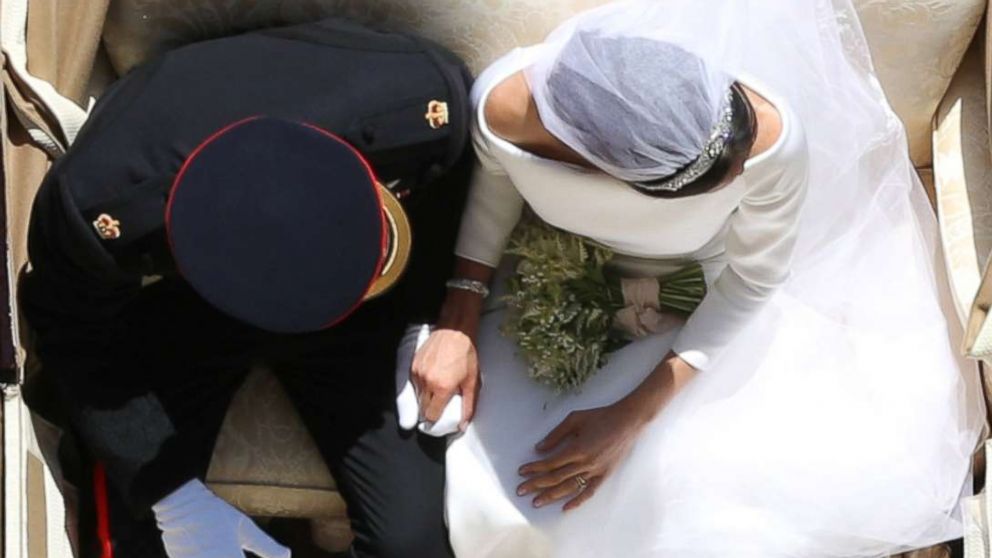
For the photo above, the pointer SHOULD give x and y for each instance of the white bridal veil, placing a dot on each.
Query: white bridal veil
(868, 418)
(638, 108)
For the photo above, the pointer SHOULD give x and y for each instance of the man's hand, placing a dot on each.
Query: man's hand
(197, 524)
(447, 364)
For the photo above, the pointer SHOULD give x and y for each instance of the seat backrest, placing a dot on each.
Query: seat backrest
(917, 44)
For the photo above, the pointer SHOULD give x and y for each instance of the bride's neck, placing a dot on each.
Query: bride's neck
(769, 122)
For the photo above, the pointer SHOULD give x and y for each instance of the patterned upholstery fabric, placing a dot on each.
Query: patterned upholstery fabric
(917, 43)
(478, 30)
(265, 461)
(963, 178)
(917, 46)
(260, 441)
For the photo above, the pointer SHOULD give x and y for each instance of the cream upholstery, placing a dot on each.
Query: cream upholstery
(917, 44)
(266, 463)
(477, 30)
(963, 179)
(259, 446)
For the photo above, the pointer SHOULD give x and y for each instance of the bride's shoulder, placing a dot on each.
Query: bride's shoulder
(793, 143)
(785, 144)
(505, 109)
(483, 125)
(505, 66)
(493, 95)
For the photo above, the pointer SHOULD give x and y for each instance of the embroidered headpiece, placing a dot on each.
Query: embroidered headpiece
(714, 148)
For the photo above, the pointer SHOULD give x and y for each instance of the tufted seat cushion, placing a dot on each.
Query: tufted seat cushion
(962, 169)
(263, 444)
(266, 463)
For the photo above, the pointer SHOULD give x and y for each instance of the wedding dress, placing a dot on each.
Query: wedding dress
(832, 416)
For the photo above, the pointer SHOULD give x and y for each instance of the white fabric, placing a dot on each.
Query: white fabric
(836, 420)
(195, 523)
(13, 39)
(751, 223)
(407, 405)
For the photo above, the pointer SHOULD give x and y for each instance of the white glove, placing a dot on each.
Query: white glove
(195, 523)
(407, 405)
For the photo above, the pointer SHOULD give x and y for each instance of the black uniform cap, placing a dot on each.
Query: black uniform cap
(282, 225)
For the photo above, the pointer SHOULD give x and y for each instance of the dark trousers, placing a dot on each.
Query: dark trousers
(341, 382)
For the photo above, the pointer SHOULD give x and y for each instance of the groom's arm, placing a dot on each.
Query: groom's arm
(76, 310)
(435, 213)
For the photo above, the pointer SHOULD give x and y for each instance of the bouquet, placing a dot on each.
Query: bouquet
(562, 305)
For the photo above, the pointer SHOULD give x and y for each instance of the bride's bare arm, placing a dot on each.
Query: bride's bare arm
(448, 363)
(670, 376)
(461, 309)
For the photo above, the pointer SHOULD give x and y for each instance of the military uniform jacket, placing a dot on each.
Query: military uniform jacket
(87, 298)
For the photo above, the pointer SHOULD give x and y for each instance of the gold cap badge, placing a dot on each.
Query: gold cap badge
(437, 114)
(107, 227)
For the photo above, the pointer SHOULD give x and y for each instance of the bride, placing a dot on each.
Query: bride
(813, 404)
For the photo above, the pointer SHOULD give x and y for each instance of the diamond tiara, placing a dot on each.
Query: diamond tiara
(719, 138)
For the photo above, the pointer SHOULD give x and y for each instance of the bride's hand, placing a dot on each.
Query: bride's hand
(588, 445)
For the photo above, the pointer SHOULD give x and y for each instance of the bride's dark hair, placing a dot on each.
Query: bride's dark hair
(745, 130)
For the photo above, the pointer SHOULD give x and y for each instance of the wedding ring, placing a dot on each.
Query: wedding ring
(582, 482)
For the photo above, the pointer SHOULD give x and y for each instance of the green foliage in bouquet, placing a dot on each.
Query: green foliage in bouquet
(562, 304)
(561, 308)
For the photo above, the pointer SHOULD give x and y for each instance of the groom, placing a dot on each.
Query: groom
(284, 197)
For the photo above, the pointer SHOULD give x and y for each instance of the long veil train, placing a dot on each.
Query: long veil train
(842, 421)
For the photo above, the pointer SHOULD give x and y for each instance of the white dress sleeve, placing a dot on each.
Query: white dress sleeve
(491, 213)
(493, 207)
(759, 248)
